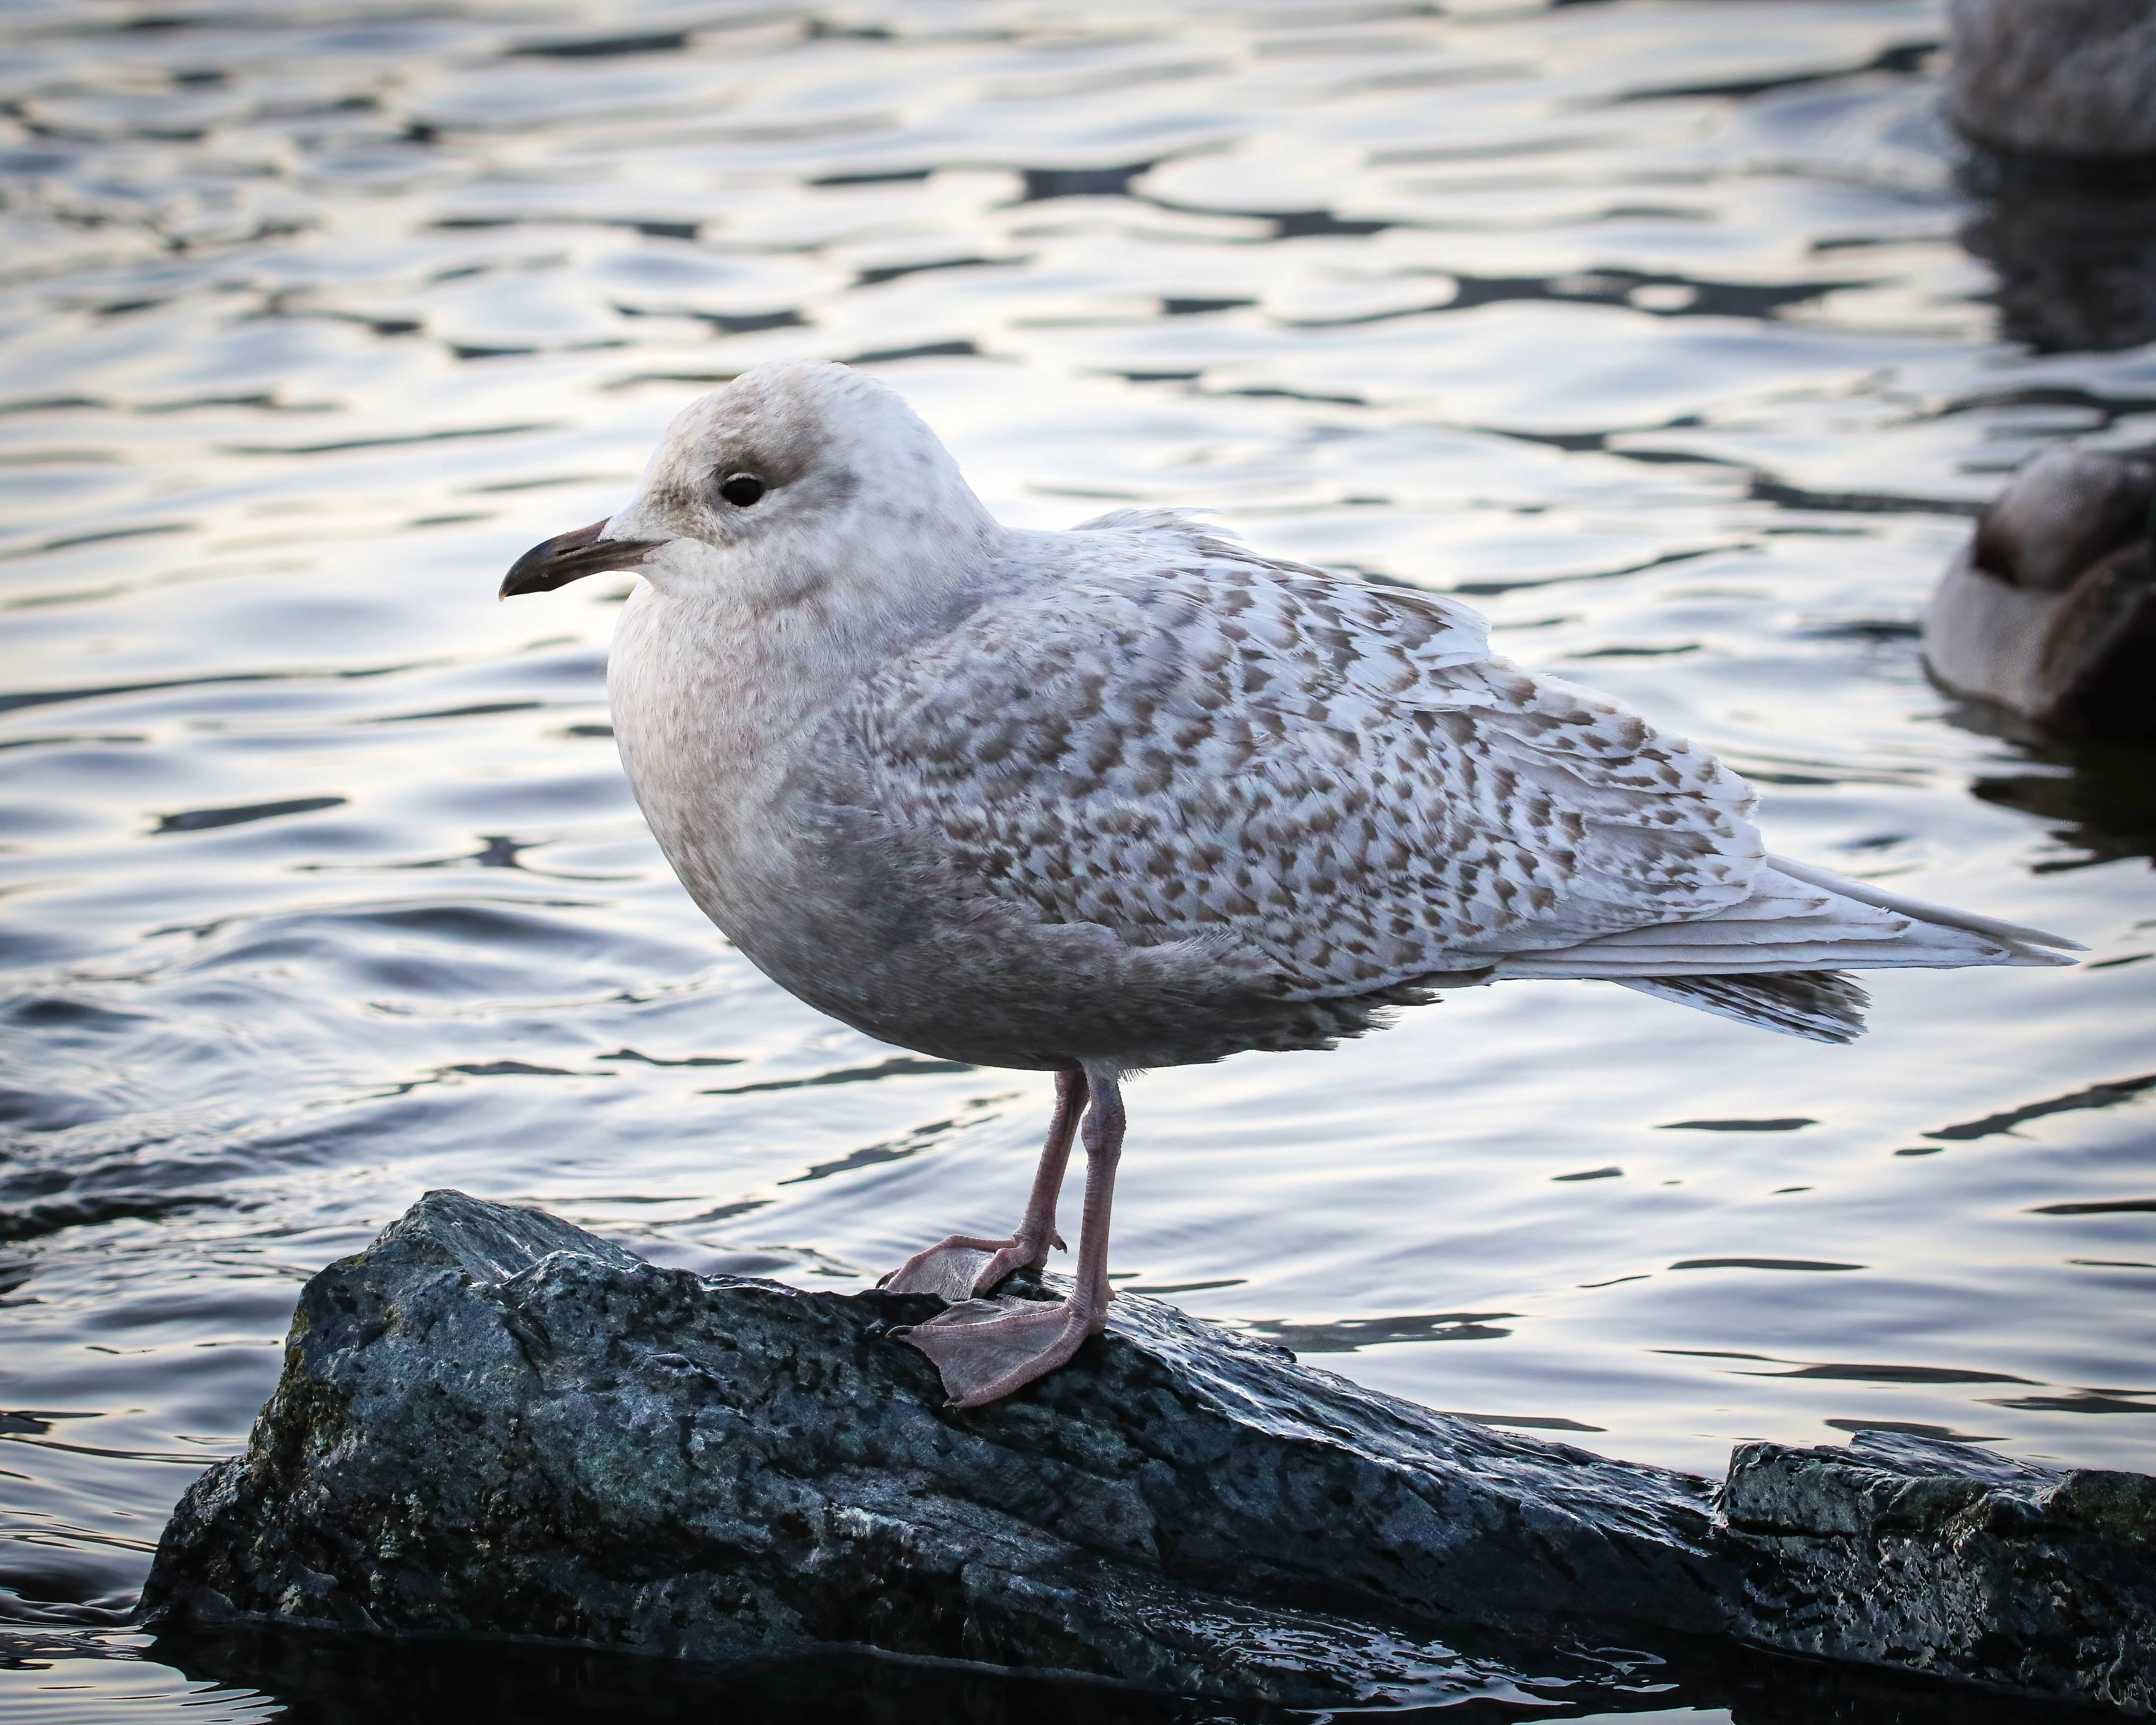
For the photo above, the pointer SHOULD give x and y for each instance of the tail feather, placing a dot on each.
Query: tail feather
(1796, 918)
(1823, 1005)
(2029, 945)
(1776, 959)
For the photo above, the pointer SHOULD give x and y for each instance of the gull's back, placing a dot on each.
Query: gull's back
(1179, 737)
(1161, 799)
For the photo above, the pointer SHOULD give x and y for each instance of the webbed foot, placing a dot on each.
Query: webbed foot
(984, 1349)
(962, 1267)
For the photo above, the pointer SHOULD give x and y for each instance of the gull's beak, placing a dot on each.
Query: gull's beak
(570, 557)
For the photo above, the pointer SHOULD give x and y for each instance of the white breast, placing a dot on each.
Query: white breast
(709, 713)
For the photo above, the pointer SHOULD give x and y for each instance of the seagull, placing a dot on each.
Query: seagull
(1134, 796)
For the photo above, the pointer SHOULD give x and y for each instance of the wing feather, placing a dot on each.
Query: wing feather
(1184, 740)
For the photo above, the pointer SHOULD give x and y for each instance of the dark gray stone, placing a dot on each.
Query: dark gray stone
(492, 1424)
(1943, 1558)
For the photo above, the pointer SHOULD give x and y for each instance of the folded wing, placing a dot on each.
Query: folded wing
(1185, 741)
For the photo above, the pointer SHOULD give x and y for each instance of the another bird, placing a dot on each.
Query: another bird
(2050, 608)
(1134, 796)
(2059, 96)
(2059, 78)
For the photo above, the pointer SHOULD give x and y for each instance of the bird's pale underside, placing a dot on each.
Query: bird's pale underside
(1133, 796)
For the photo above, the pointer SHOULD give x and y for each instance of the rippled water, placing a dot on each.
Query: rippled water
(1645, 325)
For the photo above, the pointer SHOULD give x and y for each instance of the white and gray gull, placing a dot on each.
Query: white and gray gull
(1133, 796)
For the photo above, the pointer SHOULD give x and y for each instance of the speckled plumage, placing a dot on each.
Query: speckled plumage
(1181, 738)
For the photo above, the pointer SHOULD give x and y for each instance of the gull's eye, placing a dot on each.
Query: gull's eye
(742, 489)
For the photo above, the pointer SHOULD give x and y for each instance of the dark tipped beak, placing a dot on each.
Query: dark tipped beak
(571, 557)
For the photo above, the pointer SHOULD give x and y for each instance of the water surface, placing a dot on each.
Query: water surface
(1646, 326)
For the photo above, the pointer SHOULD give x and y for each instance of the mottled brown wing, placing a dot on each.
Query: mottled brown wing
(1338, 774)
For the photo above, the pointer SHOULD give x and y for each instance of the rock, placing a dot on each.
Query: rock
(1943, 1558)
(492, 1424)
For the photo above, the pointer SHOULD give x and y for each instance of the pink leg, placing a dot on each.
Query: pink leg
(985, 1349)
(963, 1265)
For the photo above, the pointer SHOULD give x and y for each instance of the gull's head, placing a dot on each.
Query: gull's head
(794, 477)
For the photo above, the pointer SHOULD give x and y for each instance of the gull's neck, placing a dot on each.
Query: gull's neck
(716, 685)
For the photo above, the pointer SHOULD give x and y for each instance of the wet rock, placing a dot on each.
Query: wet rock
(491, 1423)
(1943, 1558)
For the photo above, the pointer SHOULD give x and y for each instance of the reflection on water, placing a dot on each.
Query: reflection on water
(239, 1678)
(2076, 263)
(2099, 798)
(1646, 324)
